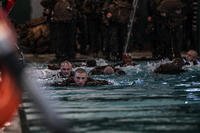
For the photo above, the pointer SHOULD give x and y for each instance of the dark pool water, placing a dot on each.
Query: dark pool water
(139, 102)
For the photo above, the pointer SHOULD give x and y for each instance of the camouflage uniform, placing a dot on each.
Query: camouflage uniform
(169, 28)
(116, 27)
(92, 12)
(48, 14)
(64, 21)
(141, 27)
(191, 39)
(81, 35)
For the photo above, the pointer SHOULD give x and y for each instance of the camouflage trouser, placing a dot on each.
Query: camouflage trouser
(82, 36)
(168, 42)
(64, 42)
(115, 41)
(94, 34)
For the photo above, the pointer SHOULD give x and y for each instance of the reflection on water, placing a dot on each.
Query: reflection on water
(141, 101)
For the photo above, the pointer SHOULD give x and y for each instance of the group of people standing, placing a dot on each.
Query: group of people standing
(95, 26)
(87, 26)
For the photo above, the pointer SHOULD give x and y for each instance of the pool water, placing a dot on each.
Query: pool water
(139, 102)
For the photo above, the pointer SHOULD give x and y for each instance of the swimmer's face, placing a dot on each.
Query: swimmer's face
(66, 68)
(80, 78)
(191, 55)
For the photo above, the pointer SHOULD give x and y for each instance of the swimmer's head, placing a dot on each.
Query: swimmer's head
(66, 68)
(108, 70)
(191, 55)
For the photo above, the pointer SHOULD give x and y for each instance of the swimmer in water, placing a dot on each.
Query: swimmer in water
(81, 78)
(106, 70)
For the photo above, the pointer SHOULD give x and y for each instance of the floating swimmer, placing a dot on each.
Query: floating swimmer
(126, 61)
(175, 67)
(81, 78)
(106, 70)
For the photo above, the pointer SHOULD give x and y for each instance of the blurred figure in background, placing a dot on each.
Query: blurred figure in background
(169, 28)
(92, 12)
(62, 16)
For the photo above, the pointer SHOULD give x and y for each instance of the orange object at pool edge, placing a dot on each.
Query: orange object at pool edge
(9, 97)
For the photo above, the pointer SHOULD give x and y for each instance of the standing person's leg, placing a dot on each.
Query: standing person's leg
(113, 42)
(92, 35)
(106, 40)
(82, 36)
(70, 40)
(54, 38)
(63, 37)
(164, 42)
(98, 40)
(178, 41)
(157, 41)
(122, 33)
(94, 29)
(58, 42)
(89, 33)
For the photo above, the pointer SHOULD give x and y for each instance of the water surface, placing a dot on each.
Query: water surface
(139, 102)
